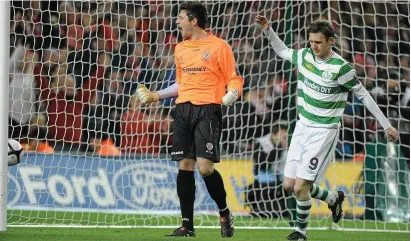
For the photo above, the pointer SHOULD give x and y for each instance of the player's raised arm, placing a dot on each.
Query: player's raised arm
(278, 45)
(234, 81)
(348, 79)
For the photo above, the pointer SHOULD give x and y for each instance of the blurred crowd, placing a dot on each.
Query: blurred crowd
(75, 66)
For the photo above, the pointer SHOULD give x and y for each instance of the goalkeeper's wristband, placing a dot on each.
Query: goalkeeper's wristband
(156, 96)
(235, 91)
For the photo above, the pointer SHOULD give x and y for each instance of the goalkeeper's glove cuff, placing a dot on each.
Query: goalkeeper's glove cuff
(156, 96)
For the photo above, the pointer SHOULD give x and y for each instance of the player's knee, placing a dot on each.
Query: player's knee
(288, 186)
(301, 190)
(205, 166)
(206, 171)
(186, 164)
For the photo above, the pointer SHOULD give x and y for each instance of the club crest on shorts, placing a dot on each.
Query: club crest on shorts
(206, 55)
(209, 146)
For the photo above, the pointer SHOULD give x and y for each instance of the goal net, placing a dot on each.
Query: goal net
(96, 156)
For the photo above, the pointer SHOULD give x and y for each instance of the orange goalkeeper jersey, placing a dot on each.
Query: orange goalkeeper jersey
(205, 68)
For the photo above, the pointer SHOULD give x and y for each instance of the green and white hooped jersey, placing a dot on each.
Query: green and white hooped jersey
(322, 87)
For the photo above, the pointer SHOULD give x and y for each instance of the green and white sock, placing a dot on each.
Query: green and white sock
(318, 192)
(303, 211)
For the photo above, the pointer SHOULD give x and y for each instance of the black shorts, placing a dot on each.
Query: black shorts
(196, 132)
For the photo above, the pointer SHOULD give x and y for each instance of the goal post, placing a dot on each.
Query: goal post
(97, 157)
(4, 72)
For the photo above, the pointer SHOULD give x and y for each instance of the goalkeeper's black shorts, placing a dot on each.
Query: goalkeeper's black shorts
(196, 131)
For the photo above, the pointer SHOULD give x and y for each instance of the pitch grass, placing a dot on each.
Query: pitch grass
(71, 234)
(18, 217)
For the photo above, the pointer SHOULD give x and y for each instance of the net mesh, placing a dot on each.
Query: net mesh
(97, 156)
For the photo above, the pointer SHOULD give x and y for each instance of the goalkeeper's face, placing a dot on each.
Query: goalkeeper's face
(320, 45)
(184, 24)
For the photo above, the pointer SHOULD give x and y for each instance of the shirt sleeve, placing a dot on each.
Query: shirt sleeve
(169, 92)
(349, 80)
(290, 55)
(347, 76)
(279, 47)
(227, 64)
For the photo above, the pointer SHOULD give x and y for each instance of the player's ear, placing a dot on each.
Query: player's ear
(331, 40)
(194, 22)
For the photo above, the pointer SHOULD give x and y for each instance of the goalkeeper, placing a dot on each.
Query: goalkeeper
(324, 81)
(205, 68)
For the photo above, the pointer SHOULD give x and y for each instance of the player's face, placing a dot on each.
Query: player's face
(184, 24)
(320, 45)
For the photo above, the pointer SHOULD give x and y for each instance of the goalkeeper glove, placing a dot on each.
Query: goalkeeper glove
(146, 96)
(230, 97)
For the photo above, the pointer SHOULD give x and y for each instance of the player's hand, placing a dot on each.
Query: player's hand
(146, 96)
(392, 134)
(262, 21)
(230, 97)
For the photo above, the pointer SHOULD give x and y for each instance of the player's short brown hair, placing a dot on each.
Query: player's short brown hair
(196, 10)
(322, 26)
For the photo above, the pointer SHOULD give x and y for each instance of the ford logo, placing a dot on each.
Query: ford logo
(150, 186)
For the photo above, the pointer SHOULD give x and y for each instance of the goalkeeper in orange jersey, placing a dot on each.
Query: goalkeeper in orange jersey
(206, 78)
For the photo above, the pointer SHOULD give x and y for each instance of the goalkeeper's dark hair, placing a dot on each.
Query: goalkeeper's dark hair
(322, 26)
(196, 10)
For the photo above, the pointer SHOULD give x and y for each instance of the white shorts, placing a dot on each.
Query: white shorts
(311, 151)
